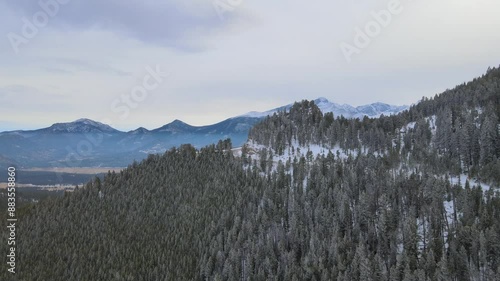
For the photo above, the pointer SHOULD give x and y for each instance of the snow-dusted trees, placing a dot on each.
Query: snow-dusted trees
(489, 139)
(382, 213)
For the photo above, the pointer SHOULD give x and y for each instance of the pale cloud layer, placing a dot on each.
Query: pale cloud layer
(262, 54)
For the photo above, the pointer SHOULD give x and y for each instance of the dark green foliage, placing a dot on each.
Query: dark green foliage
(381, 207)
(457, 131)
(152, 222)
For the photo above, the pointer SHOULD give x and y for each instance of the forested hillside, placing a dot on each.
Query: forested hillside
(455, 132)
(309, 197)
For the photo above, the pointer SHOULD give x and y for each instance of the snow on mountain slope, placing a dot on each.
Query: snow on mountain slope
(373, 110)
(80, 126)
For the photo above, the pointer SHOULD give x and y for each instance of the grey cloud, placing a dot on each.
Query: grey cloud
(57, 70)
(31, 98)
(168, 23)
(81, 65)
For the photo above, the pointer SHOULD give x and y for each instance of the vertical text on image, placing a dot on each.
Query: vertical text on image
(11, 219)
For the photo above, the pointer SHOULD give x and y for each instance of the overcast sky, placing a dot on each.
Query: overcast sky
(227, 57)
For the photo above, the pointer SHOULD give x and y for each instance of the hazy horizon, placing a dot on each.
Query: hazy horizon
(201, 63)
(126, 129)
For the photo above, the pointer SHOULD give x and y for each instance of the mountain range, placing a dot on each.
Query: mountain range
(87, 143)
(373, 110)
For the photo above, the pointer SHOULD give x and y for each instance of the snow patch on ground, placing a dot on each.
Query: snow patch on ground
(298, 151)
(420, 232)
(461, 179)
(411, 125)
(448, 207)
(432, 123)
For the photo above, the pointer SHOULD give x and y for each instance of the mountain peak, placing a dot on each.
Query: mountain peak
(84, 120)
(82, 125)
(176, 126)
(321, 100)
(348, 111)
(178, 122)
(88, 122)
(140, 130)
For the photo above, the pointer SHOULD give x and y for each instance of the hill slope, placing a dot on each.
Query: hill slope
(309, 197)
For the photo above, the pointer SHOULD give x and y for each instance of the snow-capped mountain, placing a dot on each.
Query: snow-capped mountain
(373, 110)
(139, 131)
(176, 126)
(52, 146)
(80, 126)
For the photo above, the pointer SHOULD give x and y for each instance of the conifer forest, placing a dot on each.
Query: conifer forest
(310, 196)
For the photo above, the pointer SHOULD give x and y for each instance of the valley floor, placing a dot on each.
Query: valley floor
(76, 170)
